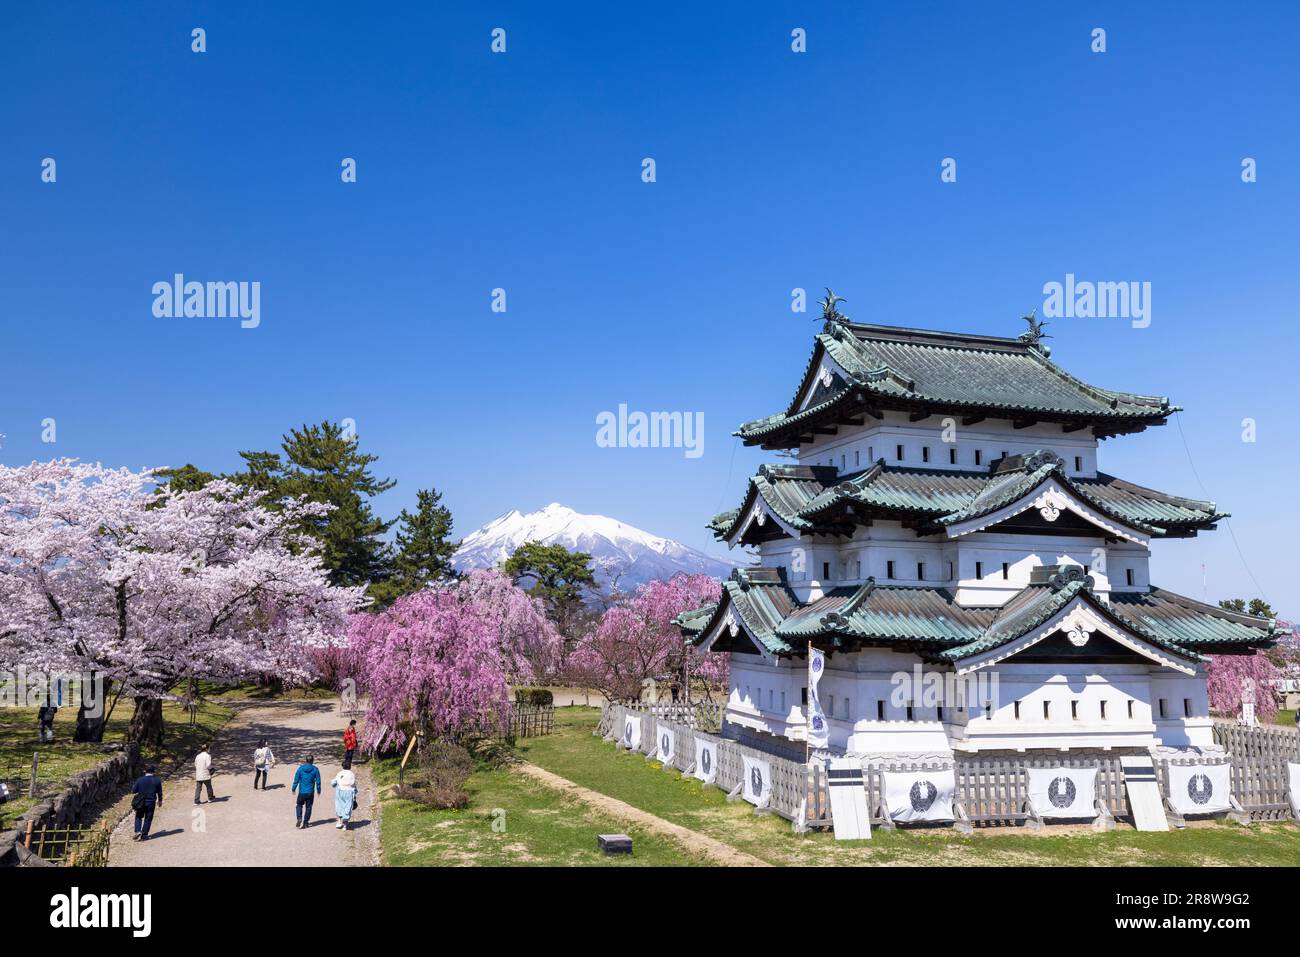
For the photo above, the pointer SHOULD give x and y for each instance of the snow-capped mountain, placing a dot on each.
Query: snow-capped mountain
(618, 549)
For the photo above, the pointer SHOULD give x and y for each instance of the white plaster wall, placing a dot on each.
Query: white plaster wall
(855, 449)
(867, 695)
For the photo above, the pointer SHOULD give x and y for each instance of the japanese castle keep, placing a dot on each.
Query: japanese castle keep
(946, 521)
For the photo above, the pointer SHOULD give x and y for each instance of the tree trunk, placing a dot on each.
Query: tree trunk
(90, 729)
(147, 722)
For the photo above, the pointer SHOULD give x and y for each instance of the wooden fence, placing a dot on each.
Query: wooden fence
(531, 721)
(697, 715)
(70, 846)
(1259, 773)
(991, 791)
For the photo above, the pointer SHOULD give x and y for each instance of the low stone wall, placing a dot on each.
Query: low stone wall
(85, 794)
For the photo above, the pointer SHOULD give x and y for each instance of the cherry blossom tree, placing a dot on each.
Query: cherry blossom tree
(104, 575)
(530, 644)
(1228, 675)
(636, 641)
(431, 662)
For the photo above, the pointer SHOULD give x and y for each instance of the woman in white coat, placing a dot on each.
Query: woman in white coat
(345, 795)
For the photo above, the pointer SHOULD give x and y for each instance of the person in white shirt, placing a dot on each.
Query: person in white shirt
(203, 774)
(263, 761)
(345, 795)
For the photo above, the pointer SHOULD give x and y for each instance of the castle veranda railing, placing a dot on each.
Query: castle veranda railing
(991, 791)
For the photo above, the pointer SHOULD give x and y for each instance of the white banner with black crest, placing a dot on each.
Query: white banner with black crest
(631, 731)
(706, 760)
(1200, 788)
(818, 732)
(758, 781)
(667, 743)
(920, 795)
(1293, 782)
(1063, 792)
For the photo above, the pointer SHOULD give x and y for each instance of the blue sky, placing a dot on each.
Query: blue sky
(522, 171)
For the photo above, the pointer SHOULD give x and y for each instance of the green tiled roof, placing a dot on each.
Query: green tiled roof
(887, 367)
(930, 621)
(817, 499)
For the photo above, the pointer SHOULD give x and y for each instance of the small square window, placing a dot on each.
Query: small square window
(979, 570)
(871, 453)
(979, 457)
(910, 714)
(1187, 707)
(844, 462)
(1103, 711)
(1074, 710)
(1006, 570)
(1047, 710)
(920, 571)
(1128, 575)
(925, 453)
(846, 710)
(826, 570)
(857, 569)
(1130, 708)
(803, 696)
(1017, 707)
(939, 712)
(952, 456)
(857, 457)
(889, 569)
(1162, 707)
(898, 452)
(880, 710)
(949, 571)
(1078, 463)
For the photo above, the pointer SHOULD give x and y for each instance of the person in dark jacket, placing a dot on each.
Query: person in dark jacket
(45, 717)
(146, 795)
(306, 783)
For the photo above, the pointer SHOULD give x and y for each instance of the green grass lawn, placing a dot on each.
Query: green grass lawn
(1285, 718)
(575, 753)
(536, 826)
(61, 758)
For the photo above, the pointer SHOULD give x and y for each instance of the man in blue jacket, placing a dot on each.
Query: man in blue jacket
(306, 782)
(145, 796)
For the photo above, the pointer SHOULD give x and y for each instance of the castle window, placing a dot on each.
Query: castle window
(848, 707)
(1162, 707)
(857, 457)
(1074, 710)
(1103, 711)
(979, 457)
(826, 570)
(1004, 453)
(909, 713)
(1017, 706)
(1006, 571)
(898, 452)
(844, 462)
(803, 696)
(889, 569)
(920, 571)
(939, 712)
(830, 705)
(1078, 463)
(925, 453)
(1130, 709)
(1047, 710)
(871, 453)
(979, 570)
(770, 699)
(857, 568)
(949, 571)
(952, 456)
(1187, 707)
(880, 710)
(783, 702)
(1128, 575)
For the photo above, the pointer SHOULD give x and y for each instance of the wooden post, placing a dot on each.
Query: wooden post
(36, 763)
(27, 838)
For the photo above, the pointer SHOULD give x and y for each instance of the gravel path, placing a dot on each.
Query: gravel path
(244, 827)
(715, 850)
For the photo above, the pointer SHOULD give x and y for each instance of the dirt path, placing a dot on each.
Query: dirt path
(245, 827)
(715, 850)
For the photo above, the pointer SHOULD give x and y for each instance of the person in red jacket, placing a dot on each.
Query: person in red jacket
(349, 742)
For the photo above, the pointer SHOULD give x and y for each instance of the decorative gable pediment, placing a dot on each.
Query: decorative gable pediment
(1049, 501)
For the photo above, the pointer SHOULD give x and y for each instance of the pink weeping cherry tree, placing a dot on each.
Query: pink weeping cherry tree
(1228, 676)
(636, 641)
(141, 590)
(530, 644)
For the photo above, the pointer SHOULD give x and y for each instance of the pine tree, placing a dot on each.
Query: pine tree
(322, 463)
(424, 549)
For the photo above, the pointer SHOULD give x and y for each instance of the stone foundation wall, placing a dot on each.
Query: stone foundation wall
(85, 794)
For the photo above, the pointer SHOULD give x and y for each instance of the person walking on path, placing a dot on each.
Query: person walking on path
(306, 783)
(349, 742)
(203, 774)
(345, 796)
(45, 717)
(263, 761)
(145, 796)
